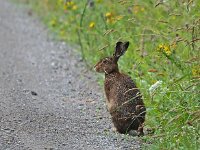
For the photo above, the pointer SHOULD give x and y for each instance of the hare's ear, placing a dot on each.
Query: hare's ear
(120, 49)
(126, 45)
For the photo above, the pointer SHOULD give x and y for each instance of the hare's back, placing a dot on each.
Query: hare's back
(127, 91)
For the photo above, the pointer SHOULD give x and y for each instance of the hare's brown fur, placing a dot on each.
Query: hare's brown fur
(124, 100)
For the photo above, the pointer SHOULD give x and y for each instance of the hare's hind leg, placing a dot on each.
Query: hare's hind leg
(140, 130)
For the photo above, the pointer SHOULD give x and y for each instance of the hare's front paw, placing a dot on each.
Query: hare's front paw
(133, 133)
(114, 129)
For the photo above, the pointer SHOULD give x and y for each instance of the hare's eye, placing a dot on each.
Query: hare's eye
(104, 61)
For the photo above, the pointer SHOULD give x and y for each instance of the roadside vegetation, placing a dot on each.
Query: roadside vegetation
(163, 57)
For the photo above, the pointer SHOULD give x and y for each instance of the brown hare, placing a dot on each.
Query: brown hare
(124, 101)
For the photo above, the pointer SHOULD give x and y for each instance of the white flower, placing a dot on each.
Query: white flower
(154, 86)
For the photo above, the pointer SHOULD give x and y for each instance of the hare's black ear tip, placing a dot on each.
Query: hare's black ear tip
(126, 43)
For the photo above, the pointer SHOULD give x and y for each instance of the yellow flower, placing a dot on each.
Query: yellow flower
(164, 48)
(196, 71)
(74, 7)
(70, 6)
(167, 50)
(70, 3)
(110, 18)
(91, 25)
(136, 9)
(160, 47)
(108, 15)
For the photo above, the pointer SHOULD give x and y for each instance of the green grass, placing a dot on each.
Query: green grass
(164, 46)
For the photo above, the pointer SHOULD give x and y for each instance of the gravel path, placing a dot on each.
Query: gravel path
(48, 100)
